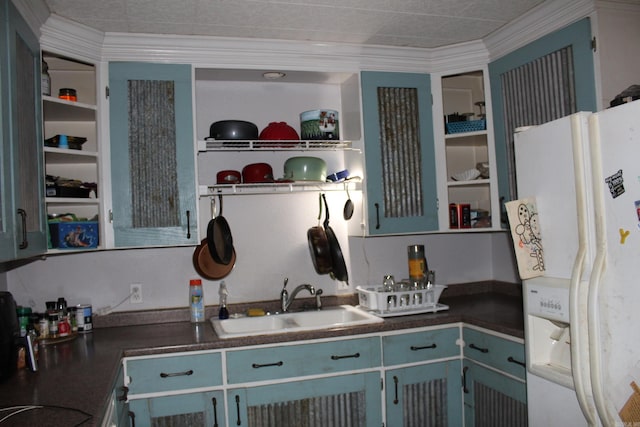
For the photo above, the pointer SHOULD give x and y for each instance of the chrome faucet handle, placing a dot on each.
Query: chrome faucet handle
(286, 280)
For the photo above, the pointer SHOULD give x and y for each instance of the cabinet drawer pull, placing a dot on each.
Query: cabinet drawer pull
(265, 365)
(424, 347)
(348, 356)
(238, 422)
(377, 205)
(23, 221)
(512, 360)
(395, 382)
(464, 379)
(214, 402)
(480, 349)
(177, 374)
(188, 224)
(132, 417)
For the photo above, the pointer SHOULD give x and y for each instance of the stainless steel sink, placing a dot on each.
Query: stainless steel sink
(329, 318)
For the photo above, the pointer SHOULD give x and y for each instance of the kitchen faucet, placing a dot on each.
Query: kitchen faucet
(285, 300)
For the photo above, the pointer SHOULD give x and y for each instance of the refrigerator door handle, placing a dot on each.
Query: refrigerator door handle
(578, 334)
(599, 266)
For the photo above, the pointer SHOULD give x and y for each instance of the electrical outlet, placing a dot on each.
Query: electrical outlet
(135, 293)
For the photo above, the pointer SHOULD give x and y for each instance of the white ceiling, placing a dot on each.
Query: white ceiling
(412, 23)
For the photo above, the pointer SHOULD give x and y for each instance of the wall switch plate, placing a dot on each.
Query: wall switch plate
(135, 293)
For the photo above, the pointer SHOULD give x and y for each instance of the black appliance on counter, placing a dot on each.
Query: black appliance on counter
(9, 336)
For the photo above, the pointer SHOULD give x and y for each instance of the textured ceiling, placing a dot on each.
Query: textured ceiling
(414, 23)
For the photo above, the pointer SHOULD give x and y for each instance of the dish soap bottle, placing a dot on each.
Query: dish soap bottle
(224, 313)
(196, 300)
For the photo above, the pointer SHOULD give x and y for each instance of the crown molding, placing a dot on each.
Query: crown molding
(550, 16)
(460, 57)
(67, 37)
(260, 53)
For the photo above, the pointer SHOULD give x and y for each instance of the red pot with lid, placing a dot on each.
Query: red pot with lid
(279, 131)
(257, 173)
(228, 177)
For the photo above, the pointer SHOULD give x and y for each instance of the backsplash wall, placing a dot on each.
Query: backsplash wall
(103, 278)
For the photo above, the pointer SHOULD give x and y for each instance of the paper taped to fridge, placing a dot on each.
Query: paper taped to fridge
(527, 242)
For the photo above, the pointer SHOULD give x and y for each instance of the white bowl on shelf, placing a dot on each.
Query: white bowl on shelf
(468, 175)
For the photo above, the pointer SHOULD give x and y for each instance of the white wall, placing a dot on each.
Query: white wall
(267, 251)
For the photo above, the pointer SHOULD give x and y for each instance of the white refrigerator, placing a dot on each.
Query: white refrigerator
(577, 237)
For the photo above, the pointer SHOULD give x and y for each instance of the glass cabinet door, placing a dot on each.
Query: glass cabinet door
(399, 153)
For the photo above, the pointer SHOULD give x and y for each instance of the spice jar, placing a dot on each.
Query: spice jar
(68, 94)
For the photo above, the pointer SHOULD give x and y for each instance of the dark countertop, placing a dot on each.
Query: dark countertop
(80, 374)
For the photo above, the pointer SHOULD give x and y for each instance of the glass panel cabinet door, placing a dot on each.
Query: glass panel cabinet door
(22, 200)
(399, 153)
(152, 154)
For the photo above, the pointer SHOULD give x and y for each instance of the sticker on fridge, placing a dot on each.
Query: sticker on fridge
(527, 242)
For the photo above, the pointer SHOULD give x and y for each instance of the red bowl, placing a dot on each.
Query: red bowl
(257, 172)
(279, 131)
(228, 177)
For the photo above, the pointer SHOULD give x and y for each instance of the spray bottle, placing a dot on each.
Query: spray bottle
(223, 313)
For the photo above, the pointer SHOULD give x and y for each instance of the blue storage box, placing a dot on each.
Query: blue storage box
(74, 234)
(466, 126)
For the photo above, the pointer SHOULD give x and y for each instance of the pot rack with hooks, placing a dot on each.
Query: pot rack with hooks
(351, 183)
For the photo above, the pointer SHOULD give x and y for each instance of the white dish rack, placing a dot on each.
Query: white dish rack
(401, 303)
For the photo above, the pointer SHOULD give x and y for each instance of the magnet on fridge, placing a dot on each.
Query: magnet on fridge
(623, 235)
(616, 184)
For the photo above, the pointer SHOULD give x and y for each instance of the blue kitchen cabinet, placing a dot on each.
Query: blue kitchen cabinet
(152, 154)
(576, 36)
(181, 410)
(182, 389)
(22, 210)
(494, 380)
(311, 383)
(350, 399)
(401, 188)
(424, 395)
(427, 392)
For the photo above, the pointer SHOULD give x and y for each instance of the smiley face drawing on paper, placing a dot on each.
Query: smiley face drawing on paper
(525, 231)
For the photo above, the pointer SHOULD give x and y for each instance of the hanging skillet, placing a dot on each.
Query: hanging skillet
(319, 246)
(219, 239)
(339, 270)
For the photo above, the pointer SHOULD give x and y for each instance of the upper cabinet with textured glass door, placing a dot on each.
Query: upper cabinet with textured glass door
(152, 155)
(22, 217)
(400, 181)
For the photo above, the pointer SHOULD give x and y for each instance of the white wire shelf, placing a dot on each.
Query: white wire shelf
(210, 144)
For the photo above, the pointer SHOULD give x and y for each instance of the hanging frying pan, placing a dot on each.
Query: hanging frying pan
(339, 270)
(207, 267)
(319, 246)
(219, 238)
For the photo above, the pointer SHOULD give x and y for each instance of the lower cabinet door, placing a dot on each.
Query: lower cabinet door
(424, 395)
(183, 410)
(342, 401)
(493, 399)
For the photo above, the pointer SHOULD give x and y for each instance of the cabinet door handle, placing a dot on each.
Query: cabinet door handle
(512, 360)
(480, 349)
(377, 205)
(124, 395)
(395, 382)
(424, 347)
(23, 220)
(238, 410)
(464, 379)
(348, 356)
(258, 365)
(176, 374)
(188, 224)
(214, 402)
(132, 417)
